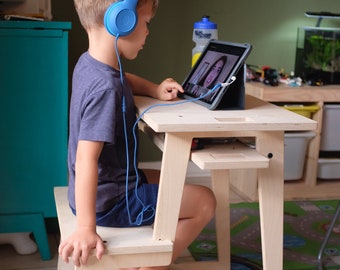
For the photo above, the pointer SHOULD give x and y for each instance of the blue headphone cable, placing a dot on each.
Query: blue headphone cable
(146, 208)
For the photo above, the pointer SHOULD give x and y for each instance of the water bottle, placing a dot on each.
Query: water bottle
(204, 31)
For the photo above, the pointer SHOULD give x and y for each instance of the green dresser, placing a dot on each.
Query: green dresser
(34, 124)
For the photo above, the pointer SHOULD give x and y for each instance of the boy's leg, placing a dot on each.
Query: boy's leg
(197, 209)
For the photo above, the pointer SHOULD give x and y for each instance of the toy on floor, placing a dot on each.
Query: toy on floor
(21, 242)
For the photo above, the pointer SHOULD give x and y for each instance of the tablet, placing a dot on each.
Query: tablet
(218, 63)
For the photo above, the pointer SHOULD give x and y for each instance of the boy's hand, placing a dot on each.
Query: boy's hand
(168, 89)
(79, 246)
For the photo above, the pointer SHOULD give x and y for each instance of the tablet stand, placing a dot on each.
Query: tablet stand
(234, 98)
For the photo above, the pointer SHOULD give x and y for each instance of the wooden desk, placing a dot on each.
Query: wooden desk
(261, 120)
(309, 187)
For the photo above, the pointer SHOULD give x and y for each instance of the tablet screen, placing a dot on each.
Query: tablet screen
(217, 64)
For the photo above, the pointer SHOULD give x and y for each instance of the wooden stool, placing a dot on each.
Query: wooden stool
(125, 247)
(222, 159)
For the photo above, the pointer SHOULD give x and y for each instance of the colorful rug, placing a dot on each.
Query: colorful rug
(305, 226)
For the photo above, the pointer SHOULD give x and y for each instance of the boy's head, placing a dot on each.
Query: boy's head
(91, 12)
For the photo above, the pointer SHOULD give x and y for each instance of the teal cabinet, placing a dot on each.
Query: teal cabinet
(34, 124)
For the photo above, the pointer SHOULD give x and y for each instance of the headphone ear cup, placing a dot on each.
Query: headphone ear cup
(120, 18)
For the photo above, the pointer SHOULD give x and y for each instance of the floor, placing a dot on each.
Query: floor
(10, 260)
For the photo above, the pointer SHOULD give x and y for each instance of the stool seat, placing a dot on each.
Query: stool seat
(125, 247)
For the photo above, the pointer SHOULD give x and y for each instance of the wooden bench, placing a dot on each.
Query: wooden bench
(125, 247)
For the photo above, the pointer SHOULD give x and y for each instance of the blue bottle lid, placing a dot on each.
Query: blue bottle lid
(205, 24)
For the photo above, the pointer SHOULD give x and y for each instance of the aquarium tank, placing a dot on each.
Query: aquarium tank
(318, 54)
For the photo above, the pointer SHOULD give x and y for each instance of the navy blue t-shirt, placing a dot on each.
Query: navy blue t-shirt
(96, 115)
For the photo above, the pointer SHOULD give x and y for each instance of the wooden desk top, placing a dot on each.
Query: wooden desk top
(285, 93)
(192, 117)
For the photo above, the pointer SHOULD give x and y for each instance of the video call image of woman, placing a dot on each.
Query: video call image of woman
(209, 78)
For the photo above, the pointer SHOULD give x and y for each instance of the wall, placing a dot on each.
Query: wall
(270, 26)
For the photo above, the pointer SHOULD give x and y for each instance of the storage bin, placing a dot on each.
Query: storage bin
(330, 133)
(295, 152)
(304, 110)
(329, 168)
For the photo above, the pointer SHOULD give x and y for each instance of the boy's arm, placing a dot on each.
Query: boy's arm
(84, 238)
(86, 181)
(167, 90)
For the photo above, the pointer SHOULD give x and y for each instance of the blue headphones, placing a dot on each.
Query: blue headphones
(120, 18)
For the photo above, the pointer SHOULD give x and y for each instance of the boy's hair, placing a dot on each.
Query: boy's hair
(91, 12)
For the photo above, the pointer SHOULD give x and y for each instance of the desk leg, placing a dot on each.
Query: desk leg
(271, 199)
(175, 159)
(220, 186)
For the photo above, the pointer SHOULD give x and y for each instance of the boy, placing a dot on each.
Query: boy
(99, 151)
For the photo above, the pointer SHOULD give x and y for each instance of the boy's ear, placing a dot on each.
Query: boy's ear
(120, 18)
